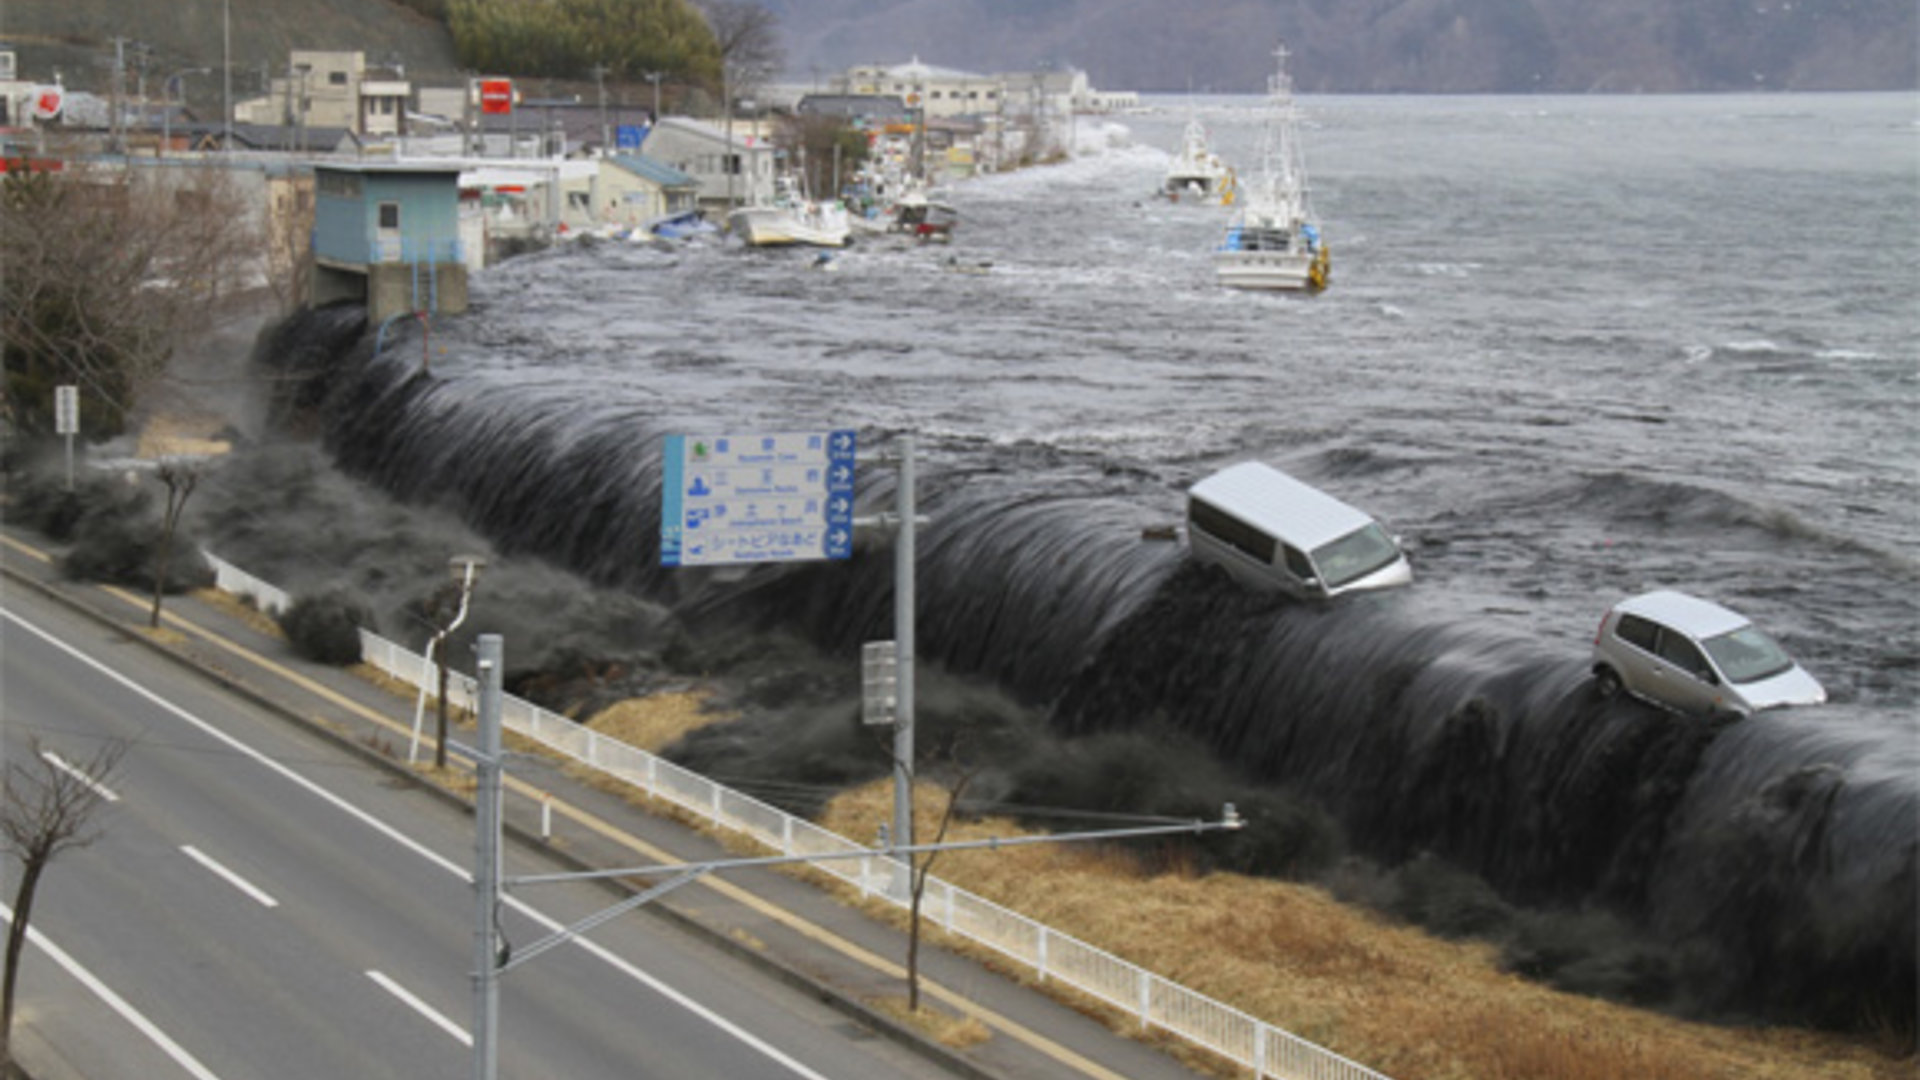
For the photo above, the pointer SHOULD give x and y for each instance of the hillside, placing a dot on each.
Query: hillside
(1339, 46)
(76, 38)
(1370, 46)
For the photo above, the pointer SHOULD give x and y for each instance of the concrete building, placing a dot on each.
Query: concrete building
(332, 90)
(388, 235)
(941, 92)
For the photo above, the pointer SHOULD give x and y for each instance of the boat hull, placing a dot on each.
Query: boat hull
(1276, 270)
(772, 226)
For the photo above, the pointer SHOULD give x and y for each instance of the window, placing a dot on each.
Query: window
(577, 200)
(389, 215)
(336, 78)
(1297, 563)
(1635, 630)
(1218, 523)
(1681, 653)
(1356, 555)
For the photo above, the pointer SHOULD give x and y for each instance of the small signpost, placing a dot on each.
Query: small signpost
(730, 499)
(66, 421)
(879, 683)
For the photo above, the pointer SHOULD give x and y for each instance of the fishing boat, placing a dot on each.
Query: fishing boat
(1196, 174)
(789, 218)
(1272, 240)
(923, 218)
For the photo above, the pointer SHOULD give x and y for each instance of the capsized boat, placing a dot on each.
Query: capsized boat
(790, 218)
(1196, 173)
(1273, 241)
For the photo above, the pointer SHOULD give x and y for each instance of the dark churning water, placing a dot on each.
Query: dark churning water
(1574, 348)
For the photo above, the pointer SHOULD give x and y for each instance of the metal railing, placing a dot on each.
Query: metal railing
(1051, 955)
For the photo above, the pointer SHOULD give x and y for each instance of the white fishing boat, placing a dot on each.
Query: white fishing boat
(1273, 241)
(789, 218)
(1196, 174)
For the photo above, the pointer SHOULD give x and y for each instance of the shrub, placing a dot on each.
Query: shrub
(325, 628)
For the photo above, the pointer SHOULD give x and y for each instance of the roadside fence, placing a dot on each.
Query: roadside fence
(1051, 955)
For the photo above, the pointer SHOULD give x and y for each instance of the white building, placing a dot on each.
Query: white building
(332, 90)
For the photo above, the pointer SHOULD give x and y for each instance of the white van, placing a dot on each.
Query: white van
(1271, 531)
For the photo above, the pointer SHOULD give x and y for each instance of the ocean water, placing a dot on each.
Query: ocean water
(1574, 348)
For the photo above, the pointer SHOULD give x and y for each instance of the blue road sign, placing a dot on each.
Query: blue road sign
(783, 497)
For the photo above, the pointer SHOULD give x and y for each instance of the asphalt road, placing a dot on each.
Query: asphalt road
(259, 902)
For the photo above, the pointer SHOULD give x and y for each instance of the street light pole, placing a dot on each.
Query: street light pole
(486, 869)
(466, 571)
(903, 612)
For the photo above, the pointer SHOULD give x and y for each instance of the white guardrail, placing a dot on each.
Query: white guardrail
(1267, 1050)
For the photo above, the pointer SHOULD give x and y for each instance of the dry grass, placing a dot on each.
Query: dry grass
(656, 722)
(239, 608)
(1410, 1005)
(951, 1031)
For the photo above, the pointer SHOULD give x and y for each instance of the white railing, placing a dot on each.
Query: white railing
(230, 578)
(1053, 956)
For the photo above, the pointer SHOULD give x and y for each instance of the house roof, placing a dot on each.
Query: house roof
(657, 172)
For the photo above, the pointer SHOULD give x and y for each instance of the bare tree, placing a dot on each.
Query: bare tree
(180, 478)
(745, 34)
(47, 809)
(109, 273)
(922, 867)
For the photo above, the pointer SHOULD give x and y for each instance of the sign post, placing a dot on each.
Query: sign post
(66, 421)
(731, 499)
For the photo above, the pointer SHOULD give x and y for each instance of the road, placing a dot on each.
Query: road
(259, 902)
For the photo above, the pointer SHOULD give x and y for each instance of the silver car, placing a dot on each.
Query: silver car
(1693, 655)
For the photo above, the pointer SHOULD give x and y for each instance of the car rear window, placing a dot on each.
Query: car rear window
(1635, 630)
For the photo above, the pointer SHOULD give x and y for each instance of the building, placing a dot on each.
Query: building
(388, 234)
(727, 172)
(332, 90)
(635, 190)
(941, 92)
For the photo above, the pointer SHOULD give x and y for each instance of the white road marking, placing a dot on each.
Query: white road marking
(60, 763)
(115, 1002)
(233, 879)
(745, 1037)
(421, 1007)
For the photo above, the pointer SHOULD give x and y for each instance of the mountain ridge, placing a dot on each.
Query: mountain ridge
(1210, 46)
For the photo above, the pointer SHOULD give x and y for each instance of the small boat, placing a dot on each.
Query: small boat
(682, 226)
(923, 218)
(1196, 173)
(790, 218)
(1272, 241)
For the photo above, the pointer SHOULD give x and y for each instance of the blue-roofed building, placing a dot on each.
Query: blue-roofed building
(637, 190)
(388, 234)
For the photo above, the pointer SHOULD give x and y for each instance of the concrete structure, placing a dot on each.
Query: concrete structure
(941, 92)
(332, 90)
(388, 235)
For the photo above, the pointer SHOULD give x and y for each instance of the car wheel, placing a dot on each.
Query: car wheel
(1606, 684)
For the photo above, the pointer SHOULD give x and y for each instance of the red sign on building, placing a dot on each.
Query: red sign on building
(496, 95)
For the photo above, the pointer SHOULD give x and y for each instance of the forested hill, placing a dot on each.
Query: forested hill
(1367, 46)
(1346, 46)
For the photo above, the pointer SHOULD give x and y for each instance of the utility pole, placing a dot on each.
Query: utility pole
(606, 135)
(486, 868)
(903, 611)
(654, 77)
(226, 76)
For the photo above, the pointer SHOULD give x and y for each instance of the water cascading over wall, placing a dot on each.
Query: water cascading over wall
(1780, 849)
